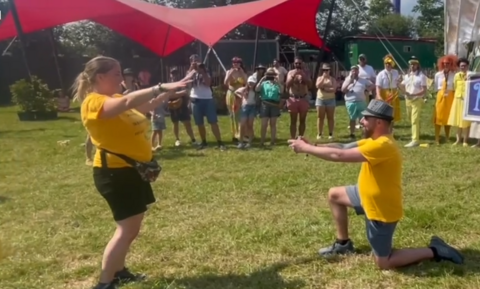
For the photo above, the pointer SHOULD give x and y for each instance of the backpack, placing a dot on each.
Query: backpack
(270, 92)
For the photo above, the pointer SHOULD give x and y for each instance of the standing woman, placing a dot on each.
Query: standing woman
(235, 78)
(456, 113)
(129, 84)
(270, 96)
(325, 102)
(444, 85)
(387, 86)
(118, 128)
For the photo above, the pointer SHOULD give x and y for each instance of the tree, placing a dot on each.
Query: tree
(348, 19)
(392, 25)
(379, 8)
(430, 22)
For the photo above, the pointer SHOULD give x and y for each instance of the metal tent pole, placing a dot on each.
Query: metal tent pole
(321, 52)
(255, 49)
(21, 35)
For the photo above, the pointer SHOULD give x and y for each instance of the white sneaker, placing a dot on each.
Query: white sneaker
(247, 145)
(240, 146)
(319, 137)
(178, 143)
(330, 137)
(412, 144)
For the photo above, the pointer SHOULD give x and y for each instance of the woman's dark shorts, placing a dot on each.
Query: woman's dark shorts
(124, 190)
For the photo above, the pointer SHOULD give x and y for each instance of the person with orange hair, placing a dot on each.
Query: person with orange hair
(387, 86)
(444, 85)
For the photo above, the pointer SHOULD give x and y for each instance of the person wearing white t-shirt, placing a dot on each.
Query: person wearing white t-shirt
(354, 89)
(247, 111)
(414, 87)
(201, 98)
(365, 71)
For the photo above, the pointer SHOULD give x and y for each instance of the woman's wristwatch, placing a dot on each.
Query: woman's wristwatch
(157, 89)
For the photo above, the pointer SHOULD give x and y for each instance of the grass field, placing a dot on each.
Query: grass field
(235, 219)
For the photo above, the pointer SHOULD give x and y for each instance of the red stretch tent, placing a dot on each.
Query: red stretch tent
(163, 29)
(122, 17)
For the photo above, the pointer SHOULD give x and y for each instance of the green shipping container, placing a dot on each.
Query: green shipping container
(402, 50)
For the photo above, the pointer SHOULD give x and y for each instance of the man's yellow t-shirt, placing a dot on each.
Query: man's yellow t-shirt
(124, 134)
(380, 179)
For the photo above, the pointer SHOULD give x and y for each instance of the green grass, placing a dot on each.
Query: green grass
(223, 220)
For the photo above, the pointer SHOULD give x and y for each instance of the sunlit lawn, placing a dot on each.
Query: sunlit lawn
(235, 219)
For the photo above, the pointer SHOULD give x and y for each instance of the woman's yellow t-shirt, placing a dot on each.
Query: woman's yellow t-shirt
(124, 134)
(380, 179)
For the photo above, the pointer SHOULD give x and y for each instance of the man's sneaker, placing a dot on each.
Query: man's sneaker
(248, 145)
(241, 146)
(125, 276)
(337, 249)
(105, 286)
(221, 147)
(178, 143)
(446, 252)
(202, 146)
(412, 144)
(319, 136)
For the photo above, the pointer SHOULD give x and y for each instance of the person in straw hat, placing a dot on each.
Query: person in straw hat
(378, 194)
(414, 87)
(325, 102)
(387, 86)
(270, 97)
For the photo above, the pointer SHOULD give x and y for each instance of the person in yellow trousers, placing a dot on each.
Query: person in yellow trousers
(414, 87)
(387, 86)
(444, 85)
(456, 113)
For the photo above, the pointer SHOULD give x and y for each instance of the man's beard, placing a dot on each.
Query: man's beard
(367, 133)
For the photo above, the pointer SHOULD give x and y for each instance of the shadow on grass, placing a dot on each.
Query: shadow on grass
(175, 153)
(268, 277)
(22, 131)
(3, 199)
(66, 117)
(429, 269)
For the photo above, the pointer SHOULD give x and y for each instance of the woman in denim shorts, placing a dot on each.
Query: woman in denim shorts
(247, 111)
(325, 102)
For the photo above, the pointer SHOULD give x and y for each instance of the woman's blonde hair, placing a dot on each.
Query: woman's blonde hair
(84, 82)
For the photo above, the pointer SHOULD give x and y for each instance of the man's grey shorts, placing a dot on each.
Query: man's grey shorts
(379, 234)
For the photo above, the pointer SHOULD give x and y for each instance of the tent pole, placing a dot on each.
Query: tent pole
(20, 34)
(219, 60)
(255, 49)
(9, 45)
(206, 55)
(55, 58)
(321, 52)
(162, 67)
